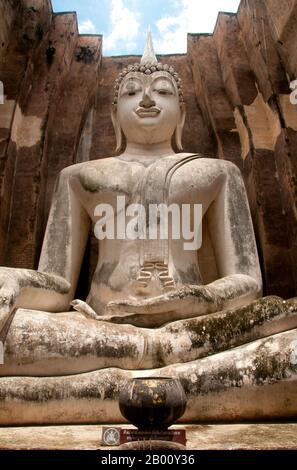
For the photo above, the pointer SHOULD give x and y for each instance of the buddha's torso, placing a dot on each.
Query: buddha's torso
(138, 268)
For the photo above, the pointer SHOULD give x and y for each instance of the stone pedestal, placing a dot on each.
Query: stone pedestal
(203, 437)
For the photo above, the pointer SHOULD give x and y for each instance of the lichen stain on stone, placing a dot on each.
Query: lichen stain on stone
(268, 369)
(104, 272)
(45, 339)
(293, 355)
(104, 275)
(63, 388)
(264, 362)
(221, 331)
(213, 382)
(85, 54)
(95, 179)
(57, 237)
(190, 276)
(239, 216)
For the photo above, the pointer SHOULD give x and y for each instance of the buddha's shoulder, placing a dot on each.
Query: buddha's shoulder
(99, 175)
(215, 166)
(101, 165)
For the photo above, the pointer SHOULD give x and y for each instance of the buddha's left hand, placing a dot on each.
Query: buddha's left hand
(187, 300)
(228, 291)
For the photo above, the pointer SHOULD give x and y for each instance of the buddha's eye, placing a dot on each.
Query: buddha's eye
(131, 89)
(164, 91)
(163, 87)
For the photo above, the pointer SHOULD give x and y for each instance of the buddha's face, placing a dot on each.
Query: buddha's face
(148, 109)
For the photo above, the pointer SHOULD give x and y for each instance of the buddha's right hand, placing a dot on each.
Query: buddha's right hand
(18, 288)
(10, 287)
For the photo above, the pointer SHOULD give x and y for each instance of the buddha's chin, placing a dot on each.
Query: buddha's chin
(151, 138)
(148, 121)
(151, 129)
(148, 135)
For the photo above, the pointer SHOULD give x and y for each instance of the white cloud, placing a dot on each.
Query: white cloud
(87, 27)
(195, 17)
(124, 27)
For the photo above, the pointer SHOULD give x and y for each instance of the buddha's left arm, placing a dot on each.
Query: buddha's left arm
(234, 244)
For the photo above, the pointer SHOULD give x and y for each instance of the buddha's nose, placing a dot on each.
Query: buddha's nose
(147, 101)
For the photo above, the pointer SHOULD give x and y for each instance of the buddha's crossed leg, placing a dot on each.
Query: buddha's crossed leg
(51, 344)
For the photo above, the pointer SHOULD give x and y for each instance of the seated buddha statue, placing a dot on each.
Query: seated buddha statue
(187, 305)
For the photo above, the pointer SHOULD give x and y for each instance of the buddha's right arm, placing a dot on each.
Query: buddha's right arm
(31, 289)
(53, 285)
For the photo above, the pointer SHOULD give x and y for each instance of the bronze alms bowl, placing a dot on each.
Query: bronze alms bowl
(152, 403)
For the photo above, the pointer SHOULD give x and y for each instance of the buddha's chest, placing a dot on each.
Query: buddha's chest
(134, 184)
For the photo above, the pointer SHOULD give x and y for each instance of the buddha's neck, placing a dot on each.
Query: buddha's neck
(146, 153)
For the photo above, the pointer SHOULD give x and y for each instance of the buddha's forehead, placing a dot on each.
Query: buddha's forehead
(147, 80)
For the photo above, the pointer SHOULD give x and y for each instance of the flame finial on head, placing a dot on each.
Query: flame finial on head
(149, 56)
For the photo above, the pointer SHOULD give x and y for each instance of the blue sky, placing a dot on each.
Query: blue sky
(123, 23)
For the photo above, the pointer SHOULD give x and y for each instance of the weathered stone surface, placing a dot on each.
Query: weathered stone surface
(261, 48)
(52, 345)
(228, 387)
(31, 22)
(70, 119)
(212, 97)
(42, 80)
(259, 125)
(283, 25)
(48, 56)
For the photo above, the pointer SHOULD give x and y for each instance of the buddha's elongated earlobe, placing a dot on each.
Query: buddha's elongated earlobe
(117, 128)
(179, 127)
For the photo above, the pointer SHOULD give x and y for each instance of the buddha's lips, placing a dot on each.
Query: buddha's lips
(148, 112)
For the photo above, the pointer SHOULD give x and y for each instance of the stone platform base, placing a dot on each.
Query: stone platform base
(200, 437)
